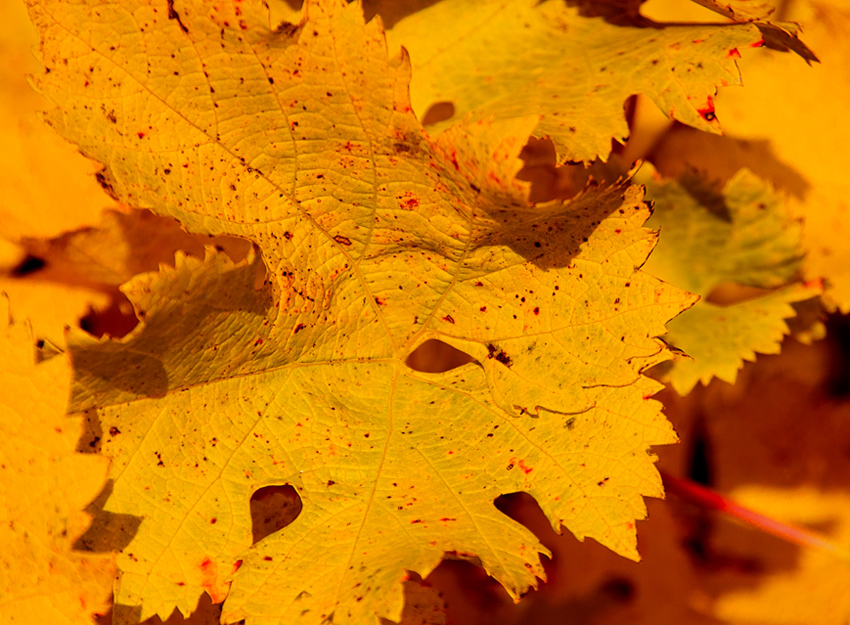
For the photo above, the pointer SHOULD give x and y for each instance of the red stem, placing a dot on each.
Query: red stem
(708, 498)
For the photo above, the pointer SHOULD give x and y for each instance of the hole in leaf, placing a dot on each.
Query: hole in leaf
(434, 356)
(438, 112)
(272, 509)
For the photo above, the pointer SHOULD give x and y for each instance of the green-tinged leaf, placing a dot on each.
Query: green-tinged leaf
(719, 339)
(289, 367)
(511, 58)
(743, 234)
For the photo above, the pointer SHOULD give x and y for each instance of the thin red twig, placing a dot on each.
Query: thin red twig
(708, 498)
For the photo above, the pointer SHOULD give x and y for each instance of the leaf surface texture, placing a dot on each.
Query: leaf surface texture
(514, 57)
(288, 367)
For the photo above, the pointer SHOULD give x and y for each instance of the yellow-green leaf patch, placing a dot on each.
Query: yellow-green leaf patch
(743, 234)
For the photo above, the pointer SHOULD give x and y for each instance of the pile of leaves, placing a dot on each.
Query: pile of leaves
(323, 283)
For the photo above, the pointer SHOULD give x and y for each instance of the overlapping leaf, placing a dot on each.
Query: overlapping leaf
(55, 282)
(516, 57)
(289, 367)
(744, 234)
(805, 135)
(44, 487)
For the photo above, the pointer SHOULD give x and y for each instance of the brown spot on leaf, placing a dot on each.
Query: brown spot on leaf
(173, 15)
(105, 184)
(499, 355)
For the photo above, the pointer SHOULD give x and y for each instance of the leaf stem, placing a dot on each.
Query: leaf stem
(700, 495)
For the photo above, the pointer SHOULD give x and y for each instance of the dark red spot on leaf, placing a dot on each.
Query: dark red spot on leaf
(707, 111)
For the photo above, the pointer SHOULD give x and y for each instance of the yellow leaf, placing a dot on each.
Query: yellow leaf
(79, 271)
(509, 59)
(120, 246)
(48, 187)
(51, 307)
(288, 367)
(43, 490)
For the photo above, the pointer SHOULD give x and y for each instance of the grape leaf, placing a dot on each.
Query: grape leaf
(120, 246)
(804, 135)
(289, 367)
(509, 59)
(43, 490)
(744, 234)
(55, 282)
